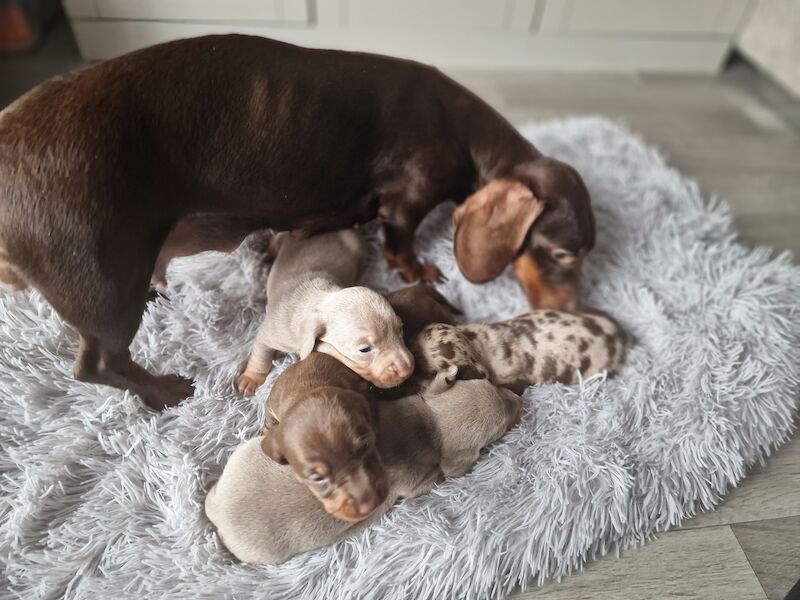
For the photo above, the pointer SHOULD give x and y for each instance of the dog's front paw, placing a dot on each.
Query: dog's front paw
(248, 382)
(430, 273)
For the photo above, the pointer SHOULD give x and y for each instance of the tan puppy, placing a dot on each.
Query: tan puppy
(263, 515)
(310, 301)
(320, 422)
(543, 346)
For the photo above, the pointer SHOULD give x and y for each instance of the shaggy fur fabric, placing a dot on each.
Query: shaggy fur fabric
(104, 499)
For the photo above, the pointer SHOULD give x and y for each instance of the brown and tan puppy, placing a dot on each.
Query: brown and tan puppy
(418, 306)
(312, 302)
(544, 346)
(320, 422)
(263, 515)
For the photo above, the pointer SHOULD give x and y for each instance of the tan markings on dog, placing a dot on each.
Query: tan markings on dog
(528, 275)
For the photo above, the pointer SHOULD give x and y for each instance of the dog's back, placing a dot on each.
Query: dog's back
(337, 256)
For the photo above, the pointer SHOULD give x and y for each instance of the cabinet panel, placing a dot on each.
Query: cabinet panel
(204, 10)
(643, 16)
(445, 15)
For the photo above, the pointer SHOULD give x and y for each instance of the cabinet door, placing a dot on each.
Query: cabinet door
(203, 10)
(643, 16)
(442, 15)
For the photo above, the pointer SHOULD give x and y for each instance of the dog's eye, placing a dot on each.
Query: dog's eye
(561, 253)
(317, 478)
(362, 445)
(365, 349)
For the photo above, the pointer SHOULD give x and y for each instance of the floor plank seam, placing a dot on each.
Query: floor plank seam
(747, 558)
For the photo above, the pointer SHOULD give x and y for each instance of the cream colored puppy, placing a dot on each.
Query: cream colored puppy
(310, 302)
(263, 514)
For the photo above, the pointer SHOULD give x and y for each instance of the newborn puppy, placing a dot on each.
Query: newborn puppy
(543, 346)
(320, 422)
(420, 305)
(310, 301)
(263, 515)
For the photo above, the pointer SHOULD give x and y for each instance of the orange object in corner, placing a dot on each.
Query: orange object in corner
(15, 31)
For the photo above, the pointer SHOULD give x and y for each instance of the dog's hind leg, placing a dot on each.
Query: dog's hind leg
(102, 294)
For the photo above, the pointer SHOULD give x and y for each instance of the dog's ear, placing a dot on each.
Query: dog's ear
(491, 226)
(443, 381)
(271, 447)
(312, 329)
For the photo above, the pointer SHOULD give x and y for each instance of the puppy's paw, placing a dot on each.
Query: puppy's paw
(248, 382)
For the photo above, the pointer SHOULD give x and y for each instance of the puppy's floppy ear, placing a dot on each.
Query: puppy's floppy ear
(270, 447)
(313, 329)
(443, 381)
(490, 227)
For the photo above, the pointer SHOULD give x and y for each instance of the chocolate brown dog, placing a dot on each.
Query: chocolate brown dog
(99, 166)
(320, 422)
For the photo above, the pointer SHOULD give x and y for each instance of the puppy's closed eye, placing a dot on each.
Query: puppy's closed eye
(318, 474)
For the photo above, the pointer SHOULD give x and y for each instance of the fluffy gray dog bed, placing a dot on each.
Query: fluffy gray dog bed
(103, 499)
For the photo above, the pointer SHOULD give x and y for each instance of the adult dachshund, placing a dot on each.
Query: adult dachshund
(97, 168)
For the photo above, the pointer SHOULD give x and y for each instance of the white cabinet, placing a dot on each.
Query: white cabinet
(611, 35)
(630, 17)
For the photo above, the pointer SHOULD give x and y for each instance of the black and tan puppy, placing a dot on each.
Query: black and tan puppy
(320, 422)
(98, 167)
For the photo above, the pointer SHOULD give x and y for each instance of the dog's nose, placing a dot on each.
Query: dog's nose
(402, 371)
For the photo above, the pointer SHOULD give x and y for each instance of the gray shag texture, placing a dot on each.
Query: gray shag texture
(102, 498)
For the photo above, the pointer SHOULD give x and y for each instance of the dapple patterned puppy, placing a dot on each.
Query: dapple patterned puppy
(264, 515)
(543, 346)
(310, 300)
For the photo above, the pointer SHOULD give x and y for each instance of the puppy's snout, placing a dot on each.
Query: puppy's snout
(364, 491)
(401, 371)
(363, 508)
(358, 506)
(400, 368)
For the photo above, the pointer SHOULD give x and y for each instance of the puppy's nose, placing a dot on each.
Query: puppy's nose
(402, 371)
(365, 507)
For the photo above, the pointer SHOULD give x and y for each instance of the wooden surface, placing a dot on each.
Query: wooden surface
(773, 549)
(687, 564)
(735, 136)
